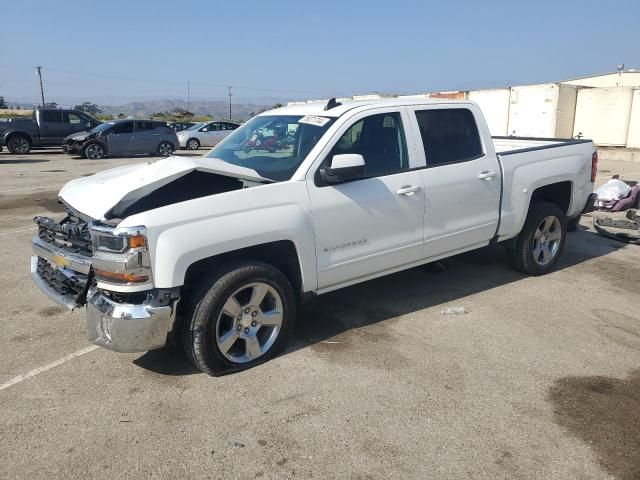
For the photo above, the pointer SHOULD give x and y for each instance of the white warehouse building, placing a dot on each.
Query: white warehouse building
(604, 108)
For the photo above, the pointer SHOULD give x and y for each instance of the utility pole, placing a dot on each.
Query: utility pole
(230, 94)
(39, 72)
(188, 96)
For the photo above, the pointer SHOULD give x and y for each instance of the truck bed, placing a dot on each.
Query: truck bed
(511, 145)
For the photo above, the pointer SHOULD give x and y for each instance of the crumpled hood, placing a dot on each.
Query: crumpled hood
(97, 194)
(78, 136)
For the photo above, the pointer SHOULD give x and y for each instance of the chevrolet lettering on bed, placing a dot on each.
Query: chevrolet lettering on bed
(219, 251)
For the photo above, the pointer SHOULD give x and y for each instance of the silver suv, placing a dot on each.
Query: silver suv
(123, 137)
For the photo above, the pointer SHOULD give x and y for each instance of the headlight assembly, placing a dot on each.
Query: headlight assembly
(121, 257)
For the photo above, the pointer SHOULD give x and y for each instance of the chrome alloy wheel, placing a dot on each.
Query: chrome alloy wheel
(94, 152)
(19, 145)
(193, 144)
(165, 149)
(249, 322)
(546, 240)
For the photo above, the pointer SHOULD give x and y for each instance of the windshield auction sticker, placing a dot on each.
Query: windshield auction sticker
(313, 120)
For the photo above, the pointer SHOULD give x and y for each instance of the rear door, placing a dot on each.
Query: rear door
(145, 137)
(120, 138)
(52, 127)
(462, 179)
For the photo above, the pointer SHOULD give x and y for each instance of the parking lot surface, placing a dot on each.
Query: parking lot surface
(539, 379)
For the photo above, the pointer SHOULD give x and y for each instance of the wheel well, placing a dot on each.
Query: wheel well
(281, 254)
(96, 142)
(556, 193)
(18, 134)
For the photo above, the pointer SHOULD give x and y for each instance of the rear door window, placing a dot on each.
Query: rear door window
(142, 126)
(52, 117)
(449, 135)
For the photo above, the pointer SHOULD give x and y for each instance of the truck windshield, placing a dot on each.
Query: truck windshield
(272, 145)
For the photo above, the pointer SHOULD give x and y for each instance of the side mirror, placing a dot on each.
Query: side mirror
(343, 167)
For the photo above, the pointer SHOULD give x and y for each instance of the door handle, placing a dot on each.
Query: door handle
(407, 190)
(156, 134)
(486, 175)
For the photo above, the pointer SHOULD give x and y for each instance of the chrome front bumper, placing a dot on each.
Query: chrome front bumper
(122, 327)
(128, 327)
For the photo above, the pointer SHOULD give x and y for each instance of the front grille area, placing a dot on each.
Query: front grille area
(62, 281)
(71, 234)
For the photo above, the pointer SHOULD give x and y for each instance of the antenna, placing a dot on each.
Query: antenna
(331, 104)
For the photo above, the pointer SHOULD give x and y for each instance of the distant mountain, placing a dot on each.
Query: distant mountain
(216, 108)
(144, 106)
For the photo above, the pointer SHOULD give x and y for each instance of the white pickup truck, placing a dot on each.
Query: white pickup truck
(219, 250)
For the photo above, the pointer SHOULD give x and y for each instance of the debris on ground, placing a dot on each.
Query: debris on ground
(455, 311)
(617, 195)
(611, 227)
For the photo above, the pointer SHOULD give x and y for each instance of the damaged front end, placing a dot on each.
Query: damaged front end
(79, 262)
(73, 144)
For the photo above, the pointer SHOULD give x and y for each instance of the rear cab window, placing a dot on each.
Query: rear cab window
(449, 135)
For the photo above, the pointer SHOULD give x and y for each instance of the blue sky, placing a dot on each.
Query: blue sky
(306, 49)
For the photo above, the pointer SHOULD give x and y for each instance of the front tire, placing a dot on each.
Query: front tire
(541, 240)
(93, 151)
(239, 317)
(193, 144)
(19, 144)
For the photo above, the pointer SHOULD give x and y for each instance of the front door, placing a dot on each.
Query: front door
(120, 137)
(461, 180)
(211, 134)
(375, 223)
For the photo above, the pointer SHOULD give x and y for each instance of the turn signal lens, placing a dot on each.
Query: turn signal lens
(136, 241)
(120, 277)
(594, 166)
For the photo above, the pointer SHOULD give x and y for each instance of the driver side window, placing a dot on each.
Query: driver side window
(380, 140)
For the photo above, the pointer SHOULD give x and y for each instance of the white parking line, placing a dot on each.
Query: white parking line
(33, 373)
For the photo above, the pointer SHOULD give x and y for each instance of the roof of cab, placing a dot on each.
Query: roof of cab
(317, 108)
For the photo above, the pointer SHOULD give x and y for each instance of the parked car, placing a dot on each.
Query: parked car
(123, 137)
(179, 126)
(206, 135)
(240, 238)
(47, 127)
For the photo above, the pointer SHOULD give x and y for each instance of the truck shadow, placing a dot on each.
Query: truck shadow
(365, 309)
(328, 317)
(603, 412)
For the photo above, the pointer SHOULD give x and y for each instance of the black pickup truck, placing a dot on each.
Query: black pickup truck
(47, 127)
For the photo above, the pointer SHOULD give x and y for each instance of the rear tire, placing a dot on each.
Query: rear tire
(165, 149)
(572, 225)
(19, 144)
(238, 317)
(541, 240)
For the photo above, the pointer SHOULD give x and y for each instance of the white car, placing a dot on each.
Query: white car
(205, 134)
(332, 195)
